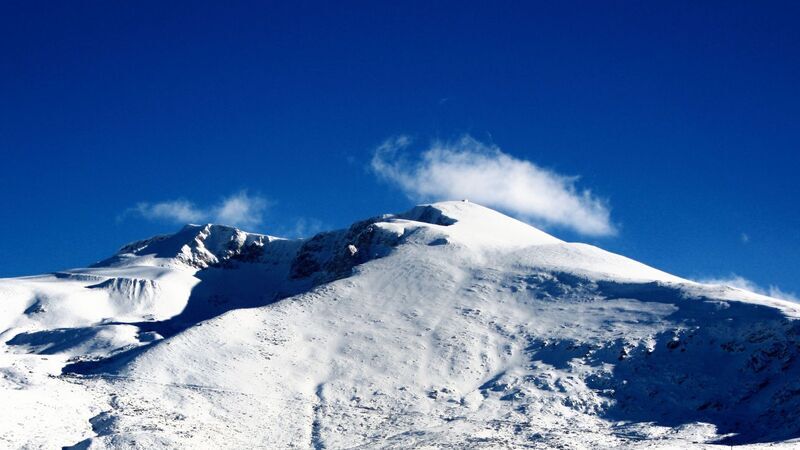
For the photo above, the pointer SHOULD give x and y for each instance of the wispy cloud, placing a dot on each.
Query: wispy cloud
(740, 282)
(306, 227)
(240, 209)
(302, 227)
(467, 168)
(174, 211)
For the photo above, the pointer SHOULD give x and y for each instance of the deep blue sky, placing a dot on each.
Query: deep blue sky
(685, 116)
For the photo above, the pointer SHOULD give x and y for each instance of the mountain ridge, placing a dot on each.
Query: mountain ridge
(450, 325)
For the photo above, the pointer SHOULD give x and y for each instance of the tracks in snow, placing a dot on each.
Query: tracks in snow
(316, 421)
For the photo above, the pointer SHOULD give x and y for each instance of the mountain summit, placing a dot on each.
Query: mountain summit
(447, 326)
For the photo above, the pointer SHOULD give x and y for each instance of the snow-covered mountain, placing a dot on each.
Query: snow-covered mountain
(449, 326)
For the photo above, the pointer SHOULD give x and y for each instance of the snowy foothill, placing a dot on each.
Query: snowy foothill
(448, 326)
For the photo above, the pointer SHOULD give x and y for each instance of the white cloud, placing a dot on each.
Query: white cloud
(467, 168)
(175, 210)
(740, 282)
(306, 227)
(302, 227)
(240, 209)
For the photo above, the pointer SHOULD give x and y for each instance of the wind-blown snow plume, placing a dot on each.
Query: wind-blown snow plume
(741, 282)
(240, 209)
(468, 168)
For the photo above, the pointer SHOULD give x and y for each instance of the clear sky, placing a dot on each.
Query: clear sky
(681, 118)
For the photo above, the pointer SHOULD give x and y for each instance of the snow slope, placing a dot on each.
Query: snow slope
(448, 326)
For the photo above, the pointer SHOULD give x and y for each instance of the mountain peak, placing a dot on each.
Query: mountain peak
(450, 316)
(478, 225)
(196, 246)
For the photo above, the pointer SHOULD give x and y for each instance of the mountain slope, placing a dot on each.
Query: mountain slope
(447, 326)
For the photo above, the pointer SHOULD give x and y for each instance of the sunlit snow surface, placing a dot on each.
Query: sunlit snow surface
(449, 326)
